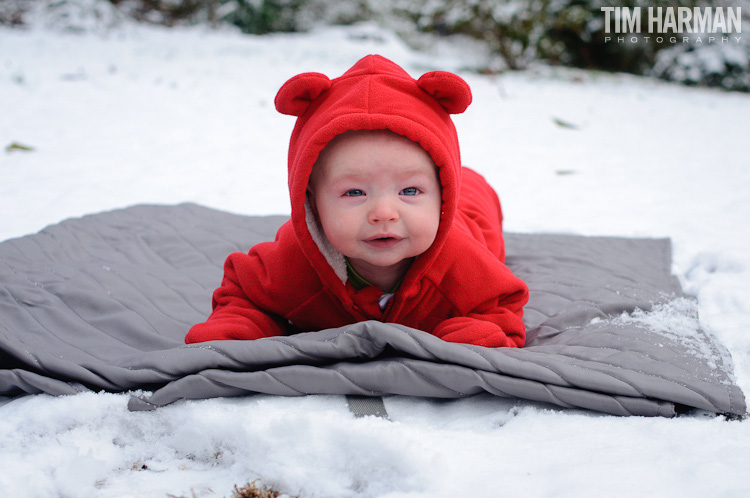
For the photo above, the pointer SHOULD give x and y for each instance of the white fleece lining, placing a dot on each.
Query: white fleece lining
(335, 259)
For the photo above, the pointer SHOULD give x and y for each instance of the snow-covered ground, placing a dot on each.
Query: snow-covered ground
(148, 115)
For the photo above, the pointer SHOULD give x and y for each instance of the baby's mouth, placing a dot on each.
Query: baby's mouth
(384, 241)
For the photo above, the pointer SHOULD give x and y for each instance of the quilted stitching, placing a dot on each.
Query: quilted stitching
(104, 301)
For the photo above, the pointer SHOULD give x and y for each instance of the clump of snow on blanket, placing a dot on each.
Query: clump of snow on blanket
(676, 320)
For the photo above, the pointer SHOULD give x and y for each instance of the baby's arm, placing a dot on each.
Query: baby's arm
(234, 315)
(492, 330)
(496, 322)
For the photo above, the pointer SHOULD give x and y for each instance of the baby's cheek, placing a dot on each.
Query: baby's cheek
(430, 224)
(341, 237)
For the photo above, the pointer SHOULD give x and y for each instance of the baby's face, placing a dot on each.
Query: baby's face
(377, 197)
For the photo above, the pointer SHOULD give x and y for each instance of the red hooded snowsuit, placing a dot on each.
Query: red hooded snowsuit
(459, 289)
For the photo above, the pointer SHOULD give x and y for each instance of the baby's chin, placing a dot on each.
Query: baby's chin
(382, 263)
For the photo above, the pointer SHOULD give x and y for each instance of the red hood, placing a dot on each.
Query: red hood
(374, 94)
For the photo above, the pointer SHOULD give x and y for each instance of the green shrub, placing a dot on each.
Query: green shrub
(263, 16)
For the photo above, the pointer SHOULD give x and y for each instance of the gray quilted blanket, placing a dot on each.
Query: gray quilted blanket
(103, 303)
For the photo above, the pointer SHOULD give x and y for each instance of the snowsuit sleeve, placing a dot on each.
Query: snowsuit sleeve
(489, 298)
(259, 291)
(493, 323)
(235, 315)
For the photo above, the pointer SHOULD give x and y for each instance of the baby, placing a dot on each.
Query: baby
(386, 224)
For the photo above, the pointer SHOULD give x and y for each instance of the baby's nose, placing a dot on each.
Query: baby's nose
(384, 209)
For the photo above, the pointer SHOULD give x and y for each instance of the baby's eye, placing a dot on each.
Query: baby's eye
(355, 192)
(410, 191)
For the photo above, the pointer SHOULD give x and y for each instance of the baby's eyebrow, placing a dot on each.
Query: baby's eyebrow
(418, 173)
(350, 176)
(408, 174)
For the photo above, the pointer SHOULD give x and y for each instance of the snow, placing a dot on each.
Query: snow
(150, 115)
(678, 321)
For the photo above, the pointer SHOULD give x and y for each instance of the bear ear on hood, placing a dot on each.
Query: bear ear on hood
(296, 95)
(450, 90)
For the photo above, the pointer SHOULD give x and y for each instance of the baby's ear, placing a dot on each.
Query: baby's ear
(296, 95)
(450, 90)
